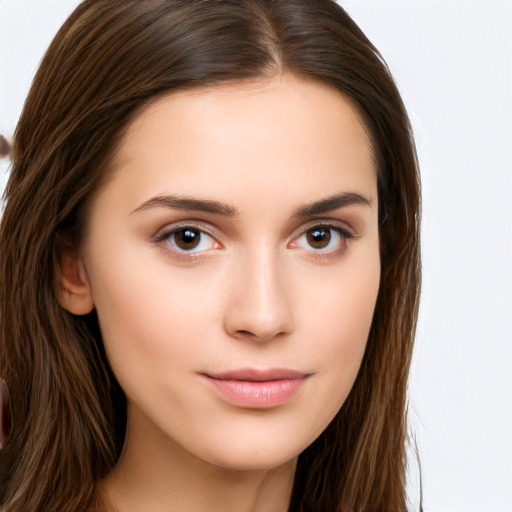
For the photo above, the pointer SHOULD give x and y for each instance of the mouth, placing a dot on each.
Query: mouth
(256, 388)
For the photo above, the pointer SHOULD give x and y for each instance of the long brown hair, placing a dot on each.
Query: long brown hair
(109, 60)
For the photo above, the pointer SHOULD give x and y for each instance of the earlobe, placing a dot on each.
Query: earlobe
(73, 290)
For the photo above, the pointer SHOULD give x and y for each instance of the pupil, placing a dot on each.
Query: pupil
(187, 239)
(319, 238)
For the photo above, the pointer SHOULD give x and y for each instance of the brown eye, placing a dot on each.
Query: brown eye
(187, 239)
(322, 239)
(319, 237)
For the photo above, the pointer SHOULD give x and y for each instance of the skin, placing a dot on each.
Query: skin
(255, 293)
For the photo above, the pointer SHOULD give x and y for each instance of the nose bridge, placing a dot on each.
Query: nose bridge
(261, 306)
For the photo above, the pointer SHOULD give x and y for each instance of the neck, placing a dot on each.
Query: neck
(155, 474)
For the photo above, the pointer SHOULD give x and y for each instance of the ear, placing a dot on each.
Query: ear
(73, 290)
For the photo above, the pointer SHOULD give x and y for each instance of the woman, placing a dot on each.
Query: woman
(209, 264)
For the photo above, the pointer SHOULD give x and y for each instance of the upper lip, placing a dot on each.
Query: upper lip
(258, 375)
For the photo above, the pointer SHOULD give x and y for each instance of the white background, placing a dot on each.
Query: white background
(453, 63)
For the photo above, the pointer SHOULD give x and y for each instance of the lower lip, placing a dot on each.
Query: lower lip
(256, 394)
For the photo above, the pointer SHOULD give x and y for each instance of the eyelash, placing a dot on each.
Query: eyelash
(168, 233)
(164, 235)
(343, 233)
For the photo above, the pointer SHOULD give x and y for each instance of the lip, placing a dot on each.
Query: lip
(256, 388)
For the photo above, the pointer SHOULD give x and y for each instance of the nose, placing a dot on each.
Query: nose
(259, 306)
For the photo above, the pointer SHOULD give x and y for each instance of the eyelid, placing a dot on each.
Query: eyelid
(165, 231)
(342, 227)
(323, 255)
(160, 237)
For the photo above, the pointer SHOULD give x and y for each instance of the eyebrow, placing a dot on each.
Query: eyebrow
(189, 203)
(331, 203)
(226, 210)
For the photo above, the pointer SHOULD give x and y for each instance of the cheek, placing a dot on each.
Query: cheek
(336, 320)
(129, 307)
(155, 318)
(339, 305)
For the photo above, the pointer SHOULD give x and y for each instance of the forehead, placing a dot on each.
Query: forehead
(258, 136)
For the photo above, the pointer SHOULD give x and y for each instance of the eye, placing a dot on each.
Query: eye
(188, 239)
(322, 238)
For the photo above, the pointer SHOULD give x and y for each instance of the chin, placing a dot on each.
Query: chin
(251, 464)
(253, 456)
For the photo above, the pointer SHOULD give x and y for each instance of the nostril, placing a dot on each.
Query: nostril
(259, 334)
(261, 311)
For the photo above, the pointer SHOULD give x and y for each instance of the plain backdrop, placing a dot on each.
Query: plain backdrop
(452, 61)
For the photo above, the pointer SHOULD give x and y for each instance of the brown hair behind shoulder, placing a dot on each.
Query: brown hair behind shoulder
(109, 60)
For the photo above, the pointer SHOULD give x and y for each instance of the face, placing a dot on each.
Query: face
(233, 260)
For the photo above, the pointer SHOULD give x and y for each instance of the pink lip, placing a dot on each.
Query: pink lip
(249, 387)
